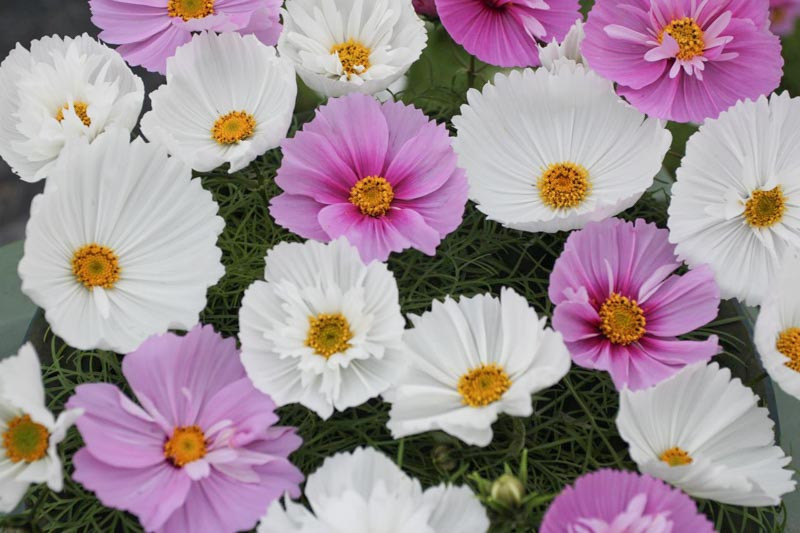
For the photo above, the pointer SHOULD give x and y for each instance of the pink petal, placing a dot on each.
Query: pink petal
(299, 215)
(683, 303)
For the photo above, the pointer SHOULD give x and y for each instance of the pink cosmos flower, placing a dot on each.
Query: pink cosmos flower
(425, 7)
(684, 60)
(382, 175)
(200, 454)
(784, 15)
(506, 32)
(149, 31)
(613, 501)
(619, 308)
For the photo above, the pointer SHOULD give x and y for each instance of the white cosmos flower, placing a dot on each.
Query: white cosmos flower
(62, 89)
(365, 492)
(552, 151)
(472, 360)
(228, 99)
(344, 46)
(29, 433)
(777, 331)
(570, 48)
(704, 432)
(736, 202)
(124, 247)
(324, 329)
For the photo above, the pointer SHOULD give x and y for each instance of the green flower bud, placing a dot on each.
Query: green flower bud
(508, 490)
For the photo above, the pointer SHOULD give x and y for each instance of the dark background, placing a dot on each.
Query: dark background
(22, 21)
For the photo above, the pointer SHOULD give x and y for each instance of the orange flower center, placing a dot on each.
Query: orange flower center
(676, 457)
(483, 385)
(373, 195)
(234, 127)
(689, 36)
(187, 444)
(190, 9)
(564, 185)
(622, 321)
(96, 266)
(789, 345)
(328, 334)
(764, 209)
(25, 440)
(80, 108)
(353, 55)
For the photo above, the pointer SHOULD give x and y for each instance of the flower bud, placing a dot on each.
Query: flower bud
(508, 490)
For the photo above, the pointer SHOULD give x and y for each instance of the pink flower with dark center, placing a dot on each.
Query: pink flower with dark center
(621, 309)
(425, 7)
(381, 175)
(149, 31)
(784, 14)
(614, 501)
(506, 32)
(202, 452)
(684, 60)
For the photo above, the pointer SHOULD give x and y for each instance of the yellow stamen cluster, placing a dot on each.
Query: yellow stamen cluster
(483, 385)
(676, 457)
(622, 321)
(25, 440)
(96, 266)
(328, 334)
(789, 345)
(187, 444)
(234, 127)
(764, 209)
(81, 109)
(352, 54)
(564, 185)
(689, 36)
(190, 9)
(373, 195)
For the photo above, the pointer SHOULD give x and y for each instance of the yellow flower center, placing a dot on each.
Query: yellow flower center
(353, 55)
(789, 345)
(190, 9)
(676, 457)
(564, 185)
(373, 195)
(234, 127)
(765, 208)
(688, 35)
(187, 444)
(80, 110)
(96, 266)
(483, 385)
(25, 440)
(328, 334)
(622, 321)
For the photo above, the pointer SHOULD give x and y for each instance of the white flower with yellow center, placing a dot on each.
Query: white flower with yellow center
(472, 360)
(552, 151)
(736, 202)
(228, 99)
(29, 433)
(570, 48)
(62, 89)
(777, 331)
(344, 46)
(365, 492)
(324, 329)
(124, 247)
(704, 433)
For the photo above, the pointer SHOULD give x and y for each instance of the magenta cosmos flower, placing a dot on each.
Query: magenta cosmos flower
(684, 60)
(506, 32)
(149, 31)
(425, 7)
(200, 454)
(613, 501)
(619, 308)
(381, 175)
(784, 14)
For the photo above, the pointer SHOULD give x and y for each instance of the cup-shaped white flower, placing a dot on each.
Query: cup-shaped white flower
(552, 151)
(471, 360)
(62, 89)
(228, 99)
(121, 245)
(736, 202)
(29, 433)
(777, 331)
(570, 48)
(365, 491)
(344, 46)
(704, 432)
(323, 329)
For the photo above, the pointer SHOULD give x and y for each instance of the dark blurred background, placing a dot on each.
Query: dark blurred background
(22, 21)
